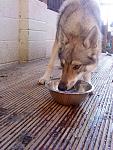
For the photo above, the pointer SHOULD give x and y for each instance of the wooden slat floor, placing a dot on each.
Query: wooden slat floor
(30, 119)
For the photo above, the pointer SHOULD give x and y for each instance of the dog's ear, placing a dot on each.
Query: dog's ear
(65, 38)
(91, 39)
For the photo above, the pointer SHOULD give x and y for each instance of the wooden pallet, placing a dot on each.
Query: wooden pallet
(30, 119)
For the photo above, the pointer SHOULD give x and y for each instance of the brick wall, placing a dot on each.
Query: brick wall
(42, 27)
(51, 21)
(37, 29)
(27, 30)
(8, 31)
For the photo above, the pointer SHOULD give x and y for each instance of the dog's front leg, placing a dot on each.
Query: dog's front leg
(87, 78)
(47, 74)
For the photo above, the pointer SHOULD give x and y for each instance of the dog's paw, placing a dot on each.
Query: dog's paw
(42, 80)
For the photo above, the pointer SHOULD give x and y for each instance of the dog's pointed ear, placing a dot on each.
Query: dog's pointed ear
(64, 36)
(91, 39)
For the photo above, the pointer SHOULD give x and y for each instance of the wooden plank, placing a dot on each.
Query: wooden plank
(31, 119)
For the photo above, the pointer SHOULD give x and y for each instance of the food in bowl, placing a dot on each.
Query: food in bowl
(73, 96)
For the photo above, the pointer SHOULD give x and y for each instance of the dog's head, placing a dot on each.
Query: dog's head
(75, 55)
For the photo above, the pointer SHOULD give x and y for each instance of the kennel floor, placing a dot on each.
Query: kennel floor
(31, 120)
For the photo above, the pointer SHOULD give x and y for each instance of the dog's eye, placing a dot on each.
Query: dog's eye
(76, 67)
(62, 65)
(66, 43)
(62, 62)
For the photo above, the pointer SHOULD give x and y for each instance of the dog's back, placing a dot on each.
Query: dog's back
(77, 17)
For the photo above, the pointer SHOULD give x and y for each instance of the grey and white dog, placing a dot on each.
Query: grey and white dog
(78, 42)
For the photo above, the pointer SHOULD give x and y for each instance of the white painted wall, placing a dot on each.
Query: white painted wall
(8, 31)
(37, 29)
(27, 37)
(51, 21)
(42, 28)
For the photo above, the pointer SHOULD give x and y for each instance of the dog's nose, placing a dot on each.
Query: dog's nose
(62, 86)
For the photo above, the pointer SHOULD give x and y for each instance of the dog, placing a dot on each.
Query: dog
(77, 42)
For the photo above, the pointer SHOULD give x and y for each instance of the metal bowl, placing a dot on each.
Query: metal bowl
(71, 97)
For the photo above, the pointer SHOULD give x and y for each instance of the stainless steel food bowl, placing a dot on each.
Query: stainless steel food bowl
(70, 97)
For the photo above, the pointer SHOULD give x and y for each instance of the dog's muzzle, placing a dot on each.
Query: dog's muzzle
(62, 86)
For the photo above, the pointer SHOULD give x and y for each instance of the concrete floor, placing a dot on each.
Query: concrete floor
(31, 119)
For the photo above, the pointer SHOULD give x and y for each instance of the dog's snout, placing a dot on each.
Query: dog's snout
(62, 86)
